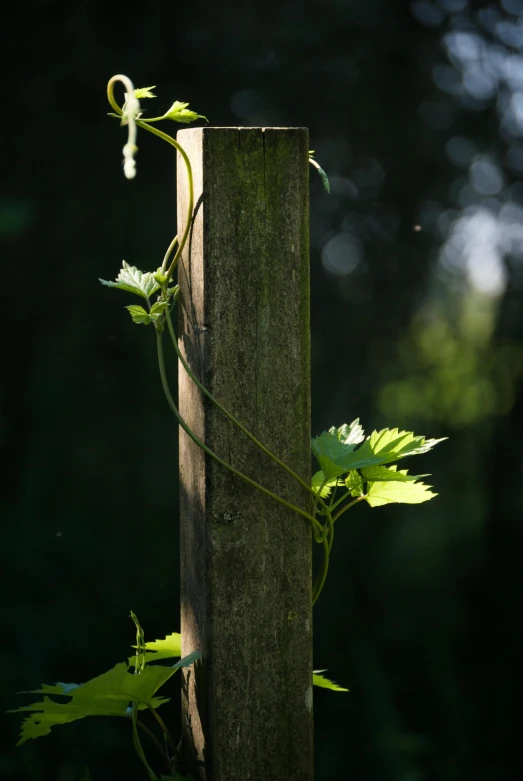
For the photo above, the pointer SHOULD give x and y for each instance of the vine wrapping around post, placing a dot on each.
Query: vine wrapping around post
(209, 452)
(338, 451)
(132, 116)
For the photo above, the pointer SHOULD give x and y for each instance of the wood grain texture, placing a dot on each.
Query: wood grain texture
(246, 560)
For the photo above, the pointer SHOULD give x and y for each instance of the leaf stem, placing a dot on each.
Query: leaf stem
(317, 495)
(138, 746)
(347, 507)
(156, 742)
(164, 729)
(170, 140)
(320, 532)
(322, 574)
(170, 248)
(340, 500)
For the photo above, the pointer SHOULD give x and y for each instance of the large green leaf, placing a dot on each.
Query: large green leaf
(134, 281)
(109, 694)
(397, 487)
(388, 445)
(324, 683)
(383, 447)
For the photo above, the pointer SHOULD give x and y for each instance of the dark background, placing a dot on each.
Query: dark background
(416, 112)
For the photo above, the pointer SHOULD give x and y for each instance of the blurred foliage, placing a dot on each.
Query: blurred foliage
(452, 369)
(415, 111)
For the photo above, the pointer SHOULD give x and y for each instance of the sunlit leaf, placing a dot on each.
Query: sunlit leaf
(388, 474)
(354, 483)
(158, 308)
(399, 488)
(144, 92)
(320, 680)
(351, 434)
(318, 481)
(389, 445)
(383, 447)
(179, 113)
(139, 314)
(168, 648)
(134, 281)
(108, 694)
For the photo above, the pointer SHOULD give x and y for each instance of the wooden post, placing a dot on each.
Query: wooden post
(245, 559)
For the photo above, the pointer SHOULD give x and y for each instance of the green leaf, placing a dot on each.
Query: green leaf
(328, 450)
(388, 445)
(144, 92)
(333, 447)
(139, 314)
(169, 647)
(108, 694)
(325, 179)
(179, 113)
(354, 483)
(318, 480)
(158, 308)
(380, 448)
(58, 688)
(399, 487)
(387, 474)
(187, 660)
(350, 435)
(135, 281)
(320, 680)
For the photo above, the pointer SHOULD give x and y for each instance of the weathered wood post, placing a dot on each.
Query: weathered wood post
(246, 560)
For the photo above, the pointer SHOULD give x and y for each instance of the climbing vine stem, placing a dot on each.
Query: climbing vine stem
(212, 454)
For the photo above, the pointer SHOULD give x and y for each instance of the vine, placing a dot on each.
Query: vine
(353, 468)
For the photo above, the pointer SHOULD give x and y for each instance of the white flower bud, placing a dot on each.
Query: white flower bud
(129, 164)
(130, 112)
(129, 169)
